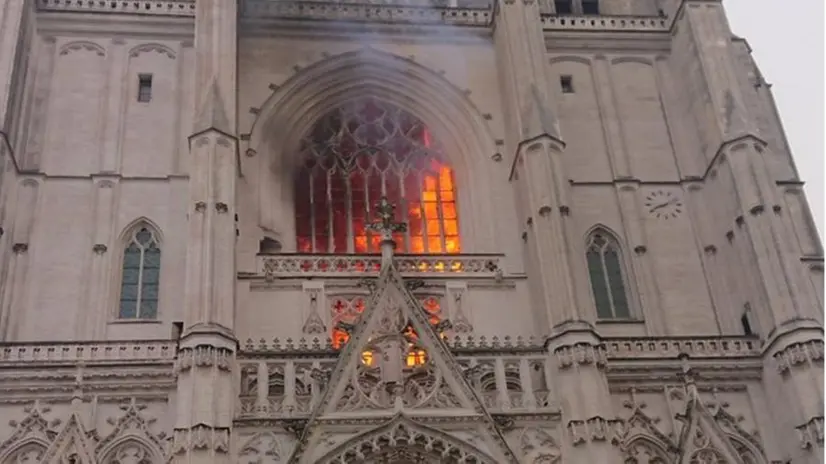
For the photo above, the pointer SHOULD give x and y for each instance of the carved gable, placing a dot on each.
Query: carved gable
(702, 440)
(31, 436)
(396, 363)
(71, 446)
(131, 438)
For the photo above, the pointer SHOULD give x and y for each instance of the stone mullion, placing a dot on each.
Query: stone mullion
(262, 379)
(501, 384)
(526, 382)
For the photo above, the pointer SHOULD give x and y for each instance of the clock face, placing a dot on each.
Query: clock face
(663, 204)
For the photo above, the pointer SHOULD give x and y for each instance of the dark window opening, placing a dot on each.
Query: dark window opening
(744, 321)
(567, 84)
(177, 330)
(563, 7)
(590, 7)
(268, 245)
(144, 88)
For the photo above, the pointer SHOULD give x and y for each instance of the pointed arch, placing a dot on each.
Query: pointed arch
(403, 437)
(27, 451)
(139, 262)
(130, 449)
(748, 452)
(608, 274)
(290, 112)
(645, 449)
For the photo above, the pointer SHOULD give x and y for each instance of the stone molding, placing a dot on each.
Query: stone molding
(799, 355)
(811, 433)
(478, 265)
(201, 437)
(603, 23)
(87, 352)
(581, 354)
(595, 429)
(204, 356)
(155, 7)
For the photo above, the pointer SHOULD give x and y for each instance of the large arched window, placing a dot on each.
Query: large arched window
(356, 154)
(140, 277)
(607, 281)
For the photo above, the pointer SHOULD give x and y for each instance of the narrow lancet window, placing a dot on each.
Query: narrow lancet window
(141, 276)
(607, 281)
(356, 154)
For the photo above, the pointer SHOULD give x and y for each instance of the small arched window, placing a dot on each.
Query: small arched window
(607, 281)
(141, 275)
(358, 153)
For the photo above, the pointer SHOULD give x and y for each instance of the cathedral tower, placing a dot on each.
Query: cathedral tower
(460, 231)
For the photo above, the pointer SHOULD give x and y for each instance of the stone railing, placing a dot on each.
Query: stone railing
(307, 265)
(605, 23)
(295, 384)
(672, 347)
(387, 12)
(144, 7)
(88, 352)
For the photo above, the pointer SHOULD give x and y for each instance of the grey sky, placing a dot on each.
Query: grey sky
(787, 42)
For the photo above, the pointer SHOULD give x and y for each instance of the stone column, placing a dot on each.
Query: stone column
(578, 363)
(206, 396)
(98, 308)
(14, 295)
(538, 176)
(13, 17)
(788, 302)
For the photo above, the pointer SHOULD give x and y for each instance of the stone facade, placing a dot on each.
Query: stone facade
(160, 140)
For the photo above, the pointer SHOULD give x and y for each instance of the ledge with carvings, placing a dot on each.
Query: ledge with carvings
(411, 13)
(142, 7)
(106, 370)
(584, 23)
(273, 266)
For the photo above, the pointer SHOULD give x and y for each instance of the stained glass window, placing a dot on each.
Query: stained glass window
(607, 282)
(358, 153)
(347, 310)
(141, 276)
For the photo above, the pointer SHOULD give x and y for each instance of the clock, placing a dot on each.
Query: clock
(663, 204)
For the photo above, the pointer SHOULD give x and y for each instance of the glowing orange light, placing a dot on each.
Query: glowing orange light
(416, 358)
(367, 358)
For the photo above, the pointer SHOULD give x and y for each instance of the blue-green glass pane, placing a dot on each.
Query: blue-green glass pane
(128, 302)
(597, 274)
(150, 276)
(132, 257)
(614, 268)
(152, 258)
(129, 292)
(149, 309)
(143, 237)
(130, 275)
(149, 291)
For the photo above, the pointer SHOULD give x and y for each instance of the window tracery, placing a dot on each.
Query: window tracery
(130, 453)
(605, 270)
(359, 152)
(140, 278)
(31, 453)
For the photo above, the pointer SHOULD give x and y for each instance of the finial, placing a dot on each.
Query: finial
(384, 225)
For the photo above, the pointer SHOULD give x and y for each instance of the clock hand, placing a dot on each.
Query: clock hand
(661, 205)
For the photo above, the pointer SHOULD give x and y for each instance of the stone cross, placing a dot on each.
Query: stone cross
(384, 220)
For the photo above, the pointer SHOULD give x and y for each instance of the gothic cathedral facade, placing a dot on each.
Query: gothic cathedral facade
(380, 231)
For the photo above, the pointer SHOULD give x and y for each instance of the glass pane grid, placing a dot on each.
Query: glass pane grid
(359, 152)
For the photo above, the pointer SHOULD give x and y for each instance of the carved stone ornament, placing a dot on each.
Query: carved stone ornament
(200, 437)
(20, 248)
(799, 355)
(538, 446)
(811, 433)
(262, 448)
(99, 248)
(131, 439)
(31, 436)
(581, 354)
(200, 207)
(204, 356)
(595, 429)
